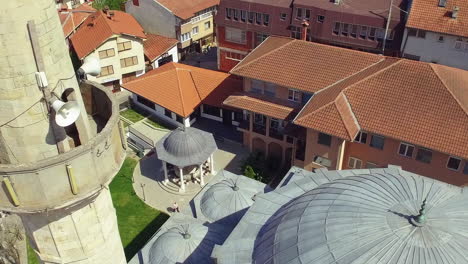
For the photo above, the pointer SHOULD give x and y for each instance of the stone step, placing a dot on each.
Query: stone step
(171, 187)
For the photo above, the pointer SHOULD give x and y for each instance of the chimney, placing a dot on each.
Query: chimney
(105, 9)
(442, 3)
(455, 12)
(305, 26)
(110, 14)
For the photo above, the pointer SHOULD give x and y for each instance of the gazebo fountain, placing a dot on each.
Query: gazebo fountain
(188, 153)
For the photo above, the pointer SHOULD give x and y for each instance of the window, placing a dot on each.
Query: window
(211, 110)
(195, 30)
(293, 95)
(336, 28)
(259, 119)
(300, 149)
(377, 142)
(406, 150)
(354, 29)
(207, 25)
(380, 33)
(299, 13)
(266, 19)
(260, 37)
(145, 102)
(179, 119)
(424, 155)
(320, 19)
(363, 32)
(344, 29)
(283, 16)
(274, 123)
(184, 37)
(361, 137)
(251, 17)
(243, 15)
(228, 13)
(106, 70)
(270, 89)
(465, 170)
(124, 46)
(106, 53)
(167, 113)
(296, 32)
(307, 14)
(421, 33)
(258, 19)
(234, 56)
(322, 161)
(235, 13)
(256, 86)
(412, 32)
(458, 43)
(371, 165)
(372, 33)
(235, 35)
(127, 62)
(441, 39)
(354, 163)
(453, 163)
(324, 139)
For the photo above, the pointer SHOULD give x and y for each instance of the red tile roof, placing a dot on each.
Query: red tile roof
(182, 88)
(261, 105)
(72, 20)
(156, 45)
(98, 28)
(305, 66)
(427, 15)
(420, 103)
(186, 9)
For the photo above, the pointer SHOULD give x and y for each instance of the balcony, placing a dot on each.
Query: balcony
(196, 19)
(46, 184)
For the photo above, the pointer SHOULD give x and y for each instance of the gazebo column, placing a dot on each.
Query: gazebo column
(182, 183)
(165, 173)
(202, 181)
(212, 164)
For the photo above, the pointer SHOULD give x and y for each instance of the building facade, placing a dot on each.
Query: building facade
(434, 33)
(119, 48)
(160, 50)
(242, 25)
(190, 22)
(365, 110)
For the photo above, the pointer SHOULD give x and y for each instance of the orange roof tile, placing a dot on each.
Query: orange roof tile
(415, 102)
(427, 15)
(186, 9)
(72, 20)
(182, 88)
(156, 45)
(260, 105)
(305, 65)
(97, 28)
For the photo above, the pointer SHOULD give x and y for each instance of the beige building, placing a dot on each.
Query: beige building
(116, 39)
(189, 21)
(53, 174)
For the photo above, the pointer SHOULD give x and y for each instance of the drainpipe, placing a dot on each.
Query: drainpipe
(341, 150)
(305, 26)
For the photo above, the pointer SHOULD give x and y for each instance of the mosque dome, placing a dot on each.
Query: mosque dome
(186, 146)
(369, 219)
(228, 197)
(188, 243)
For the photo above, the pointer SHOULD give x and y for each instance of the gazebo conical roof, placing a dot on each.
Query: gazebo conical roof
(186, 146)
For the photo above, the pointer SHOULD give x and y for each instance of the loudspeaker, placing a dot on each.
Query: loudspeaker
(66, 113)
(90, 66)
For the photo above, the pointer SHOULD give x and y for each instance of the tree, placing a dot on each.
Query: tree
(10, 235)
(112, 4)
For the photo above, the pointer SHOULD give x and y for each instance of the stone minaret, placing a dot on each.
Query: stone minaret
(56, 179)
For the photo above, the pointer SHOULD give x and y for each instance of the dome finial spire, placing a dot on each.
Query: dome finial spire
(420, 219)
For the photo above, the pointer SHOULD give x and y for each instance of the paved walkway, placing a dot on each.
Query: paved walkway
(148, 176)
(203, 60)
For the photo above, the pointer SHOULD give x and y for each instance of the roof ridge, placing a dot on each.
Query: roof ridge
(447, 88)
(194, 84)
(256, 59)
(148, 74)
(348, 106)
(180, 91)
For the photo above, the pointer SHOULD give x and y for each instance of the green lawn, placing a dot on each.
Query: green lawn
(155, 124)
(32, 258)
(132, 115)
(137, 222)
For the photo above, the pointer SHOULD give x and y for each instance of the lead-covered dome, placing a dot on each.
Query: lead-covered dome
(228, 197)
(186, 146)
(367, 219)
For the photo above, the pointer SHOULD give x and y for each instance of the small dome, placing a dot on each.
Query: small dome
(227, 197)
(369, 219)
(190, 243)
(186, 146)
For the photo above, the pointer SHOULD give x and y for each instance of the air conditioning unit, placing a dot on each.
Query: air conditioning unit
(322, 161)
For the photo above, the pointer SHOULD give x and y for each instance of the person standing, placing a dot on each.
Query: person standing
(175, 207)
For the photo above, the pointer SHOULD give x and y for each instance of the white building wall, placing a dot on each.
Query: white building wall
(159, 111)
(136, 50)
(430, 49)
(173, 52)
